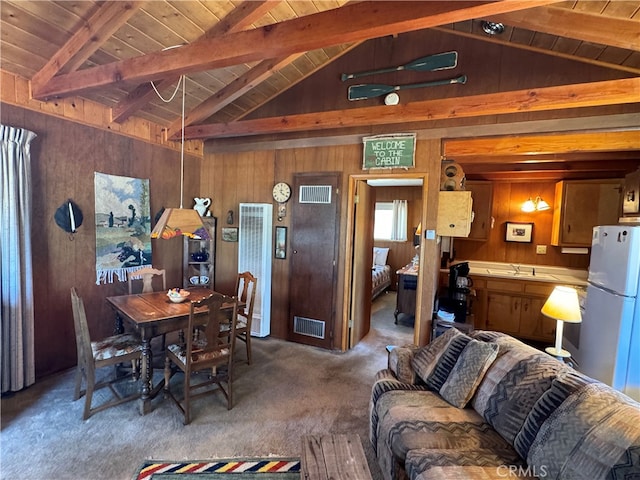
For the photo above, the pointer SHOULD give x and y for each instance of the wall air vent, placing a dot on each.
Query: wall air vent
(315, 194)
(308, 327)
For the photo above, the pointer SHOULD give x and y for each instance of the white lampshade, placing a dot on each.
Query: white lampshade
(542, 205)
(529, 206)
(563, 305)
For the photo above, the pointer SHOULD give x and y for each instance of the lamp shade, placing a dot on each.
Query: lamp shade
(180, 221)
(529, 206)
(542, 205)
(563, 305)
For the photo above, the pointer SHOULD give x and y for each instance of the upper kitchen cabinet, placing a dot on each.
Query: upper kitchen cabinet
(482, 196)
(454, 213)
(581, 205)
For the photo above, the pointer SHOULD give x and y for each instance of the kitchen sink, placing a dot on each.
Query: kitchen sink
(524, 275)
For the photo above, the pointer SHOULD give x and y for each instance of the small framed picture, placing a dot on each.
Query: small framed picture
(519, 232)
(229, 234)
(281, 242)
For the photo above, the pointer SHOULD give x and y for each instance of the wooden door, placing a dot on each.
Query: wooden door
(360, 317)
(314, 237)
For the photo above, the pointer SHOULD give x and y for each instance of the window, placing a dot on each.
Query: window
(390, 221)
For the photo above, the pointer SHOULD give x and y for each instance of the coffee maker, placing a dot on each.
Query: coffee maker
(459, 281)
(455, 299)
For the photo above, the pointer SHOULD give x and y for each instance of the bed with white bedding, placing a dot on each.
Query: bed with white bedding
(380, 272)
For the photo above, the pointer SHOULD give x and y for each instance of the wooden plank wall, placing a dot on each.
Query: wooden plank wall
(64, 157)
(232, 178)
(507, 200)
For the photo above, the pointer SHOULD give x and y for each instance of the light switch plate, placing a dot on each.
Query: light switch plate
(541, 249)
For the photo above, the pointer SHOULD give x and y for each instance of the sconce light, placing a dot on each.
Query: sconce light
(563, 306)
(535, 205)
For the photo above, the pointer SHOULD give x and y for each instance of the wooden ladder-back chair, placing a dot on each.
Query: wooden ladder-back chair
(146, 274)
(204, 350)
(93, 355)
(246, 285)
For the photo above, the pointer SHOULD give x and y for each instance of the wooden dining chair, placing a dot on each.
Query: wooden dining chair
(146, 274)
(246, 285)
(93, 355)
(204, 350)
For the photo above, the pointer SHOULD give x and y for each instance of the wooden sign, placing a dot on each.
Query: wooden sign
(389, 151)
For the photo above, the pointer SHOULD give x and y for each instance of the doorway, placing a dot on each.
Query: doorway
(359, 252)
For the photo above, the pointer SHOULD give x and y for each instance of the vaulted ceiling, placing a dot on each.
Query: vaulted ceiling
(239, 55)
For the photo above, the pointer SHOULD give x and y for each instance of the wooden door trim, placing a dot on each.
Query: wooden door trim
(420, 321)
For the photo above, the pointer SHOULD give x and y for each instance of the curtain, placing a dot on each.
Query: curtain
(399, 227)
(16, 271)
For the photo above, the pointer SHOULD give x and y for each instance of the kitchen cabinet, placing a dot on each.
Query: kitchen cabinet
(581, 205)
(199, 258)
(513, 307)
(482, 197)
(454, 213)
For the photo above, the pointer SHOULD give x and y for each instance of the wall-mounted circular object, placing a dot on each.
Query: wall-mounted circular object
(492, 28)
(68, 216)
(392, 99)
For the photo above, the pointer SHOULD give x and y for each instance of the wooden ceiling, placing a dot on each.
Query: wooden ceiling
(239, 55)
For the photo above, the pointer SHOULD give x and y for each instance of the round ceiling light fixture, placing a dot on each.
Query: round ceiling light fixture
(492, 28)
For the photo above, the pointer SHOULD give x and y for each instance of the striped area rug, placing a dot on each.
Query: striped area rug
(234, 469)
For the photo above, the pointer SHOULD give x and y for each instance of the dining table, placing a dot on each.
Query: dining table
(152, 314)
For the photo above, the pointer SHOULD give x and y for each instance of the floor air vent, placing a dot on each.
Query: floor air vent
(308, 327)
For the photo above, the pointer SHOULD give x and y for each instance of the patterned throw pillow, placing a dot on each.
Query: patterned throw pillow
(425, 360)
(446, 362)
(467, 373)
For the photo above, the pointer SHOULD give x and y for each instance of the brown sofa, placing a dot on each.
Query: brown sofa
(487, 406)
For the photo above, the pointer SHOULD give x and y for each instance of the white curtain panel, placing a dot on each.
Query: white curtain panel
(16, 271)
(399, 229)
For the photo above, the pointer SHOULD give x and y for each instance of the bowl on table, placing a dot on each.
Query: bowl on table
(199, 280)
(177, 295)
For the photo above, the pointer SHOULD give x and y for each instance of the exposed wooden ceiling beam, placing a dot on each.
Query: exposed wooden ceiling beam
(238, 19)
(517, 161)
(544, 176)
(89, 38)
(241, 85)
(619, 165)
(564, 22)
(350, 23)
(611, 92)
(543, 144)
(544, 51)
(232, 91)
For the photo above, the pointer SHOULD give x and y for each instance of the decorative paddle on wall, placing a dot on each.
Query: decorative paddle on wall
(430, 63)
(372, 90)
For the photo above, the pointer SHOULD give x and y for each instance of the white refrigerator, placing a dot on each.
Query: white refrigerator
(609, 348)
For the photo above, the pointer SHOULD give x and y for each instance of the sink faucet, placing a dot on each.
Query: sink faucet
(516, 268)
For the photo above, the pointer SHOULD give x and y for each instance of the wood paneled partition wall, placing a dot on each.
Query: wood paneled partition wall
(232, 178)
(64, 157)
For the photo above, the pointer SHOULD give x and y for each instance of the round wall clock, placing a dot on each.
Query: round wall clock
(281, 192)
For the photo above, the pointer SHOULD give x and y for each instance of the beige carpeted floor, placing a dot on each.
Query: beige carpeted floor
(291, 390)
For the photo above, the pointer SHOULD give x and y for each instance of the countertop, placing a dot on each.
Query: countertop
(533, 273)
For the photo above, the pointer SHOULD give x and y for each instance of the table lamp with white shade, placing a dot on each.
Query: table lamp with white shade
(563, 306)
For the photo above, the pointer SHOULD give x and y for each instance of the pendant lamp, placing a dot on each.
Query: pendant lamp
(180, 221)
